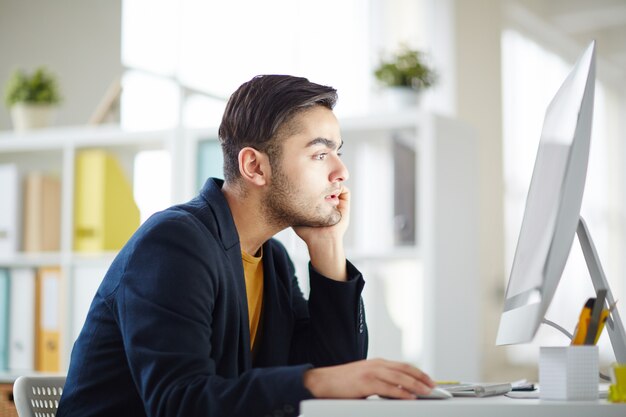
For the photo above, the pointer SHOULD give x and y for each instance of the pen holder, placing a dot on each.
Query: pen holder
(617, 390)
(568, 373)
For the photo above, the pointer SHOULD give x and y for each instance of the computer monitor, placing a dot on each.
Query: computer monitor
(552, 213)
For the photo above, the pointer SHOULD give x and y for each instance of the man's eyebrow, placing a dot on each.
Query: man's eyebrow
(329, 143)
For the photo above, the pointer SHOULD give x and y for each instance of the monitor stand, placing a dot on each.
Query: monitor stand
(614, 323)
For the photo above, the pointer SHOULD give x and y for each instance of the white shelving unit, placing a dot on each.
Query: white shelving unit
(445, 246)
(446, 233)
(53, 151)
(443, 174)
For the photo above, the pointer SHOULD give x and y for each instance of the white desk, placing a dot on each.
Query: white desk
(500, 406)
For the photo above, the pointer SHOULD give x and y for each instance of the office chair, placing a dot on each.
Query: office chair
(37, 396)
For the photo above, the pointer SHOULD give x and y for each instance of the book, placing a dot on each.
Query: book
(86, 280)
(4, 318)
(9, 209)
(105, 213)
(48, 319)
(22, 320)
(42, 213)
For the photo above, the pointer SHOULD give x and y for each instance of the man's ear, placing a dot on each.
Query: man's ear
(254, 166)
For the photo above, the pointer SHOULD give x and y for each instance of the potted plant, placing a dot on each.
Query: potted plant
(32, 98)
(405, 75)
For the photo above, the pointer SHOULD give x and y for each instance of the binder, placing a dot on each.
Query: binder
(42, 213)
(85, 283)
(105, 213)
(48, 320)
(4, 318)
(22, 320)
(9, 209)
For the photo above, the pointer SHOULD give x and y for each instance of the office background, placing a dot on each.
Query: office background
(499, 62)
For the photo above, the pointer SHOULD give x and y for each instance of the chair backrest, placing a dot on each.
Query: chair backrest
(37, 396)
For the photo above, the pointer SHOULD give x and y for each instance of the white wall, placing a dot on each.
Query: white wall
(479, 102)
(79, 40)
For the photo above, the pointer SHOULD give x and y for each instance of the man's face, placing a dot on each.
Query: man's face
(306, 182)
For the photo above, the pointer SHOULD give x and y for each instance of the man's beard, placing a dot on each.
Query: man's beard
(284, 207)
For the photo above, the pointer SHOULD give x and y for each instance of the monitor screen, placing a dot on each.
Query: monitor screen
(553, 204)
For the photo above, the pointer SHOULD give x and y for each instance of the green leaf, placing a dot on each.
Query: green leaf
(39, 88)
(406, 68)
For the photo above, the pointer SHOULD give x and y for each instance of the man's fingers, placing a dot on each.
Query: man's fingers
(345, 193)
(367, 377)
(413, 371)
(404, 380)
(392, 391)
(344, 200)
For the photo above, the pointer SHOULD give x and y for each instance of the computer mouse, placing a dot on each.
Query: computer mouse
(436, 394)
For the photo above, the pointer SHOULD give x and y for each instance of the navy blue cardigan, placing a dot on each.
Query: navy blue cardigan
(167, 333)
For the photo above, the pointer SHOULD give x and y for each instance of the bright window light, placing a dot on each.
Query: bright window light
(213, 47)
(150, 35)
(152, 179)
(201, 111)
(149, 102)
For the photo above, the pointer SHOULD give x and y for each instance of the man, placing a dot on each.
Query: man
(200, 313)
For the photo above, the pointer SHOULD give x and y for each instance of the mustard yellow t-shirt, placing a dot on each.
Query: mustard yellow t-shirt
(253, 271)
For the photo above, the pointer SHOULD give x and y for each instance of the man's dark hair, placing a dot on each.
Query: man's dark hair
(257, 112)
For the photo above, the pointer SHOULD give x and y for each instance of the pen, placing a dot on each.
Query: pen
(594, 321)
(603, 318)
(583, 322)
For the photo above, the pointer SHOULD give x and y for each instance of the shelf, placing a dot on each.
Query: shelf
(78, 137)
(93, 259)
(399, 253)
(34, 259)
(39, 259)
(355, 256)
(409, 117)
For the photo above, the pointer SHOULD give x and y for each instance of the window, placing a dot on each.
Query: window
(177, 51)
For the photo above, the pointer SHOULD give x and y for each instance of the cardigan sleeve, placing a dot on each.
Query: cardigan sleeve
(330, 327)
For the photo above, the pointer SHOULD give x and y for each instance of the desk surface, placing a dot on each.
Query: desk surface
(466, 407)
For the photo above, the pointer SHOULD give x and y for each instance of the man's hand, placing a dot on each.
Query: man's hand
(325, 244)
(368, 377)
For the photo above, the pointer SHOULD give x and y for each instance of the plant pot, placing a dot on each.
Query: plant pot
(393, 99)
(32, 116)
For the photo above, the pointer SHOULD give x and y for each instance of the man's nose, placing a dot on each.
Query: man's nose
(340, 173)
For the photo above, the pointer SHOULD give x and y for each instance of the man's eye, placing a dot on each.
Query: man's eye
(320, 156)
